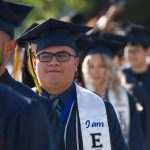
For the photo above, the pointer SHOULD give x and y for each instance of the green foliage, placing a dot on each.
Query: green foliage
(135, 11)
(53, 8)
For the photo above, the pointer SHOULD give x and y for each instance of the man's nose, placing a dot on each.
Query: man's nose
(54, 61)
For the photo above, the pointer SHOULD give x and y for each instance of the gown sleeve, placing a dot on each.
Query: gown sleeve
(33, 127)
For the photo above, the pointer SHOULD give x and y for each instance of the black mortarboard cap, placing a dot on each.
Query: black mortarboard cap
(23, 43)
(82, 44)
(54, 33)
(100, 48)
(138, 34)
(11, 16)
(108, 44)
(117, 42)
(114, 39)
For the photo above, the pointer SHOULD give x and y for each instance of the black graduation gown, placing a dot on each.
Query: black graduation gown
(144, 81)
(55, 126)
(23, 122)
(140, 97)
(136, 136)
(116, 137)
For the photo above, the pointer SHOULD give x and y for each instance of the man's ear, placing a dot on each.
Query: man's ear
(13, 44)
(34, 63)
(10, 46)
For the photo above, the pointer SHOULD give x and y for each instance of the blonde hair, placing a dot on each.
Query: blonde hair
(112, 78)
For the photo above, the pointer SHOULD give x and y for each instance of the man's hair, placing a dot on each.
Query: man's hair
(139, 44)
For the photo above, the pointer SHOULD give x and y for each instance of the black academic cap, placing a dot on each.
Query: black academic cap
(117, 42)
(82, 44)
(114, 39)
(11, 16)
(54, 33)
(108, 44)
(100, 48)
(23, 43)
(138, 34)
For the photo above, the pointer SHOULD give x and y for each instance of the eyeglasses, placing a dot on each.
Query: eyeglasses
(62, 56)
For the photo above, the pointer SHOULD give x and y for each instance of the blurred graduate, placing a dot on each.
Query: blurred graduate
(101, 76)
(11, 16)
(138, 73)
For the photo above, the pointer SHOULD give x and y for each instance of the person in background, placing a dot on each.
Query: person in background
(100, 75)
(15, 15)
(138, 73)
(108, 10)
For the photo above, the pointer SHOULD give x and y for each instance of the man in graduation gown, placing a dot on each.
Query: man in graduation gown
(23, 122)
(139, 71)
(88, 121)
(16, 13)
(11, 16)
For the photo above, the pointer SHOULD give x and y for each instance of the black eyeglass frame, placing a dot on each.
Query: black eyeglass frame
(56, 56)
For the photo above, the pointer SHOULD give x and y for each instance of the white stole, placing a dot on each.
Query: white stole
(93, 119)
(122, 110)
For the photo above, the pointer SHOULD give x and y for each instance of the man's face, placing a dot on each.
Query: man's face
(54, 72)
(136, 55)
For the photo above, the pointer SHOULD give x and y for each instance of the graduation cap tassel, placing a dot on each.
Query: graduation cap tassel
(31, 69)
(16, 64)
